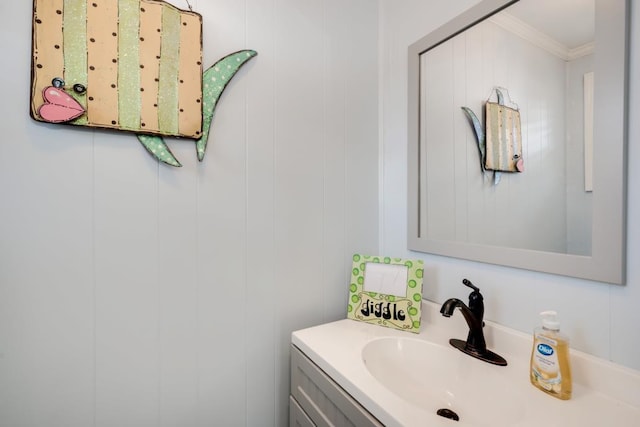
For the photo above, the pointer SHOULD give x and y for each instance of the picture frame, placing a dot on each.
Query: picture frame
(386, 291)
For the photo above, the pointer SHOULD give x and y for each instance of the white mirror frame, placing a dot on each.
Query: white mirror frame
(608, 252)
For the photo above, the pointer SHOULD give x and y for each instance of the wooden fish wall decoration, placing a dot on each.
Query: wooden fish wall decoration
(500, 145)
(128, 65)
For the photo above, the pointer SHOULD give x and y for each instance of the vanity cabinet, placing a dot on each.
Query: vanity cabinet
(316, 400)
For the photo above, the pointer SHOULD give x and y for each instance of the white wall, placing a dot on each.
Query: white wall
(601, 319)
(135, 294)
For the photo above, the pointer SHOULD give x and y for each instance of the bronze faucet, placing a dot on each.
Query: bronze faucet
(475, 345)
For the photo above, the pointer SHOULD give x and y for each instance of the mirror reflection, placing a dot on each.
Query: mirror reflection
(543, 68)
(561, 208)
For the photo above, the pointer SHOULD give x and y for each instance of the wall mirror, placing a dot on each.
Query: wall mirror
(564, 213)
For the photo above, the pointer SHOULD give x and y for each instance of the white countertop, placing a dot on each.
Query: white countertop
(603, 393)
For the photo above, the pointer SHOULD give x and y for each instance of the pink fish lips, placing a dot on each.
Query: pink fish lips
(59, 106)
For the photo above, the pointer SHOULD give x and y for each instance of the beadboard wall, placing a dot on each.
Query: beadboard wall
(136, 294)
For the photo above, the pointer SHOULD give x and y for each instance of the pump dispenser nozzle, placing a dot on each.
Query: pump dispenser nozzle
(550, 320)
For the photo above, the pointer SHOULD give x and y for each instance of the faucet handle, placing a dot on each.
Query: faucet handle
(476, 304)
(468, 284)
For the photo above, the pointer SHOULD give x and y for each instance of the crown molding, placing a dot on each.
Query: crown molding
(540, 39)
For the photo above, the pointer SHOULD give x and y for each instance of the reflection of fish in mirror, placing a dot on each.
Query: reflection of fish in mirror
(128, 65)
(500, 144)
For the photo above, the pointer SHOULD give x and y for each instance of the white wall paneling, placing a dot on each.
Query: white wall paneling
(135, 294)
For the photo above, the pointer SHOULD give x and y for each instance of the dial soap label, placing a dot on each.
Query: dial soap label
(546, 369)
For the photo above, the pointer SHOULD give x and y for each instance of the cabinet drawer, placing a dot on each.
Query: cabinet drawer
(324, 401)
(297, 417)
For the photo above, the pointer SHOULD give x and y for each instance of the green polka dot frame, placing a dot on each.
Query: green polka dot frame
(386, 291)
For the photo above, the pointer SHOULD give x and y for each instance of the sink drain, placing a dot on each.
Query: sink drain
(448, 413)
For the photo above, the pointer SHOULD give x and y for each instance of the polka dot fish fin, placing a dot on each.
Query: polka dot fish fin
(215, 80)
(156, 146)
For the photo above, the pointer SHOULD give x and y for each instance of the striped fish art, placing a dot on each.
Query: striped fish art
(127, 65)
(500, 143)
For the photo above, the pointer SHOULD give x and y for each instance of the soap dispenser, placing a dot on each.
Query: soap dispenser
(550, 366)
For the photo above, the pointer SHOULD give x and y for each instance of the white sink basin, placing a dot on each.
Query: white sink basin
(434, 377)
(403, 379)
